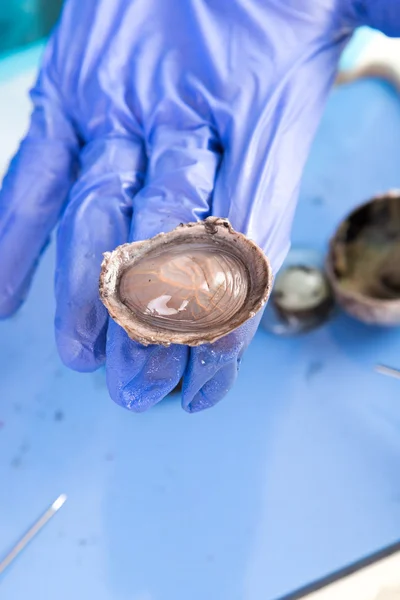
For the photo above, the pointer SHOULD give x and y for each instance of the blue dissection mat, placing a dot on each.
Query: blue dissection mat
(294, 475)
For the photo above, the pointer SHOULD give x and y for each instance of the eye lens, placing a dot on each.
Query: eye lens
(301, 298)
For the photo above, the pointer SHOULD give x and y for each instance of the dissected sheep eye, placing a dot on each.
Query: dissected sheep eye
(190, 286)
(364, 261)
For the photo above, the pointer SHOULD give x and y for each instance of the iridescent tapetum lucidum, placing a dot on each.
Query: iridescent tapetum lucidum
(190, 286)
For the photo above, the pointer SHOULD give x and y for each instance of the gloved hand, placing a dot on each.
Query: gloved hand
(148, 113)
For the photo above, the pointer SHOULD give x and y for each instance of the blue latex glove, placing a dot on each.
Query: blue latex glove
(148, 113)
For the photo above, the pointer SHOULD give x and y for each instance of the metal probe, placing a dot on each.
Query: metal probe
(389, 371)
(36, 527)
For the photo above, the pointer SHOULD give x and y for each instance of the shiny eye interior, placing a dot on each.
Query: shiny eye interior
(191, 286)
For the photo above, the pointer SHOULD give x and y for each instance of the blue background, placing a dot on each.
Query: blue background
(294, 475)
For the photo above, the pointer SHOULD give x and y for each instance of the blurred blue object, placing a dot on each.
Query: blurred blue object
(293, 476)
(146, 116)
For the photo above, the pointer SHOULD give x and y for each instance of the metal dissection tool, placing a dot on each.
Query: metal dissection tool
(30, 534)
(389, 371)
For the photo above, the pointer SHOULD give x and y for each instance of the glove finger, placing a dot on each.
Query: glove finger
(33, 194)
(213, 368)
(97, 219)
(266, 145)
(138, 377)
(179, 184)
